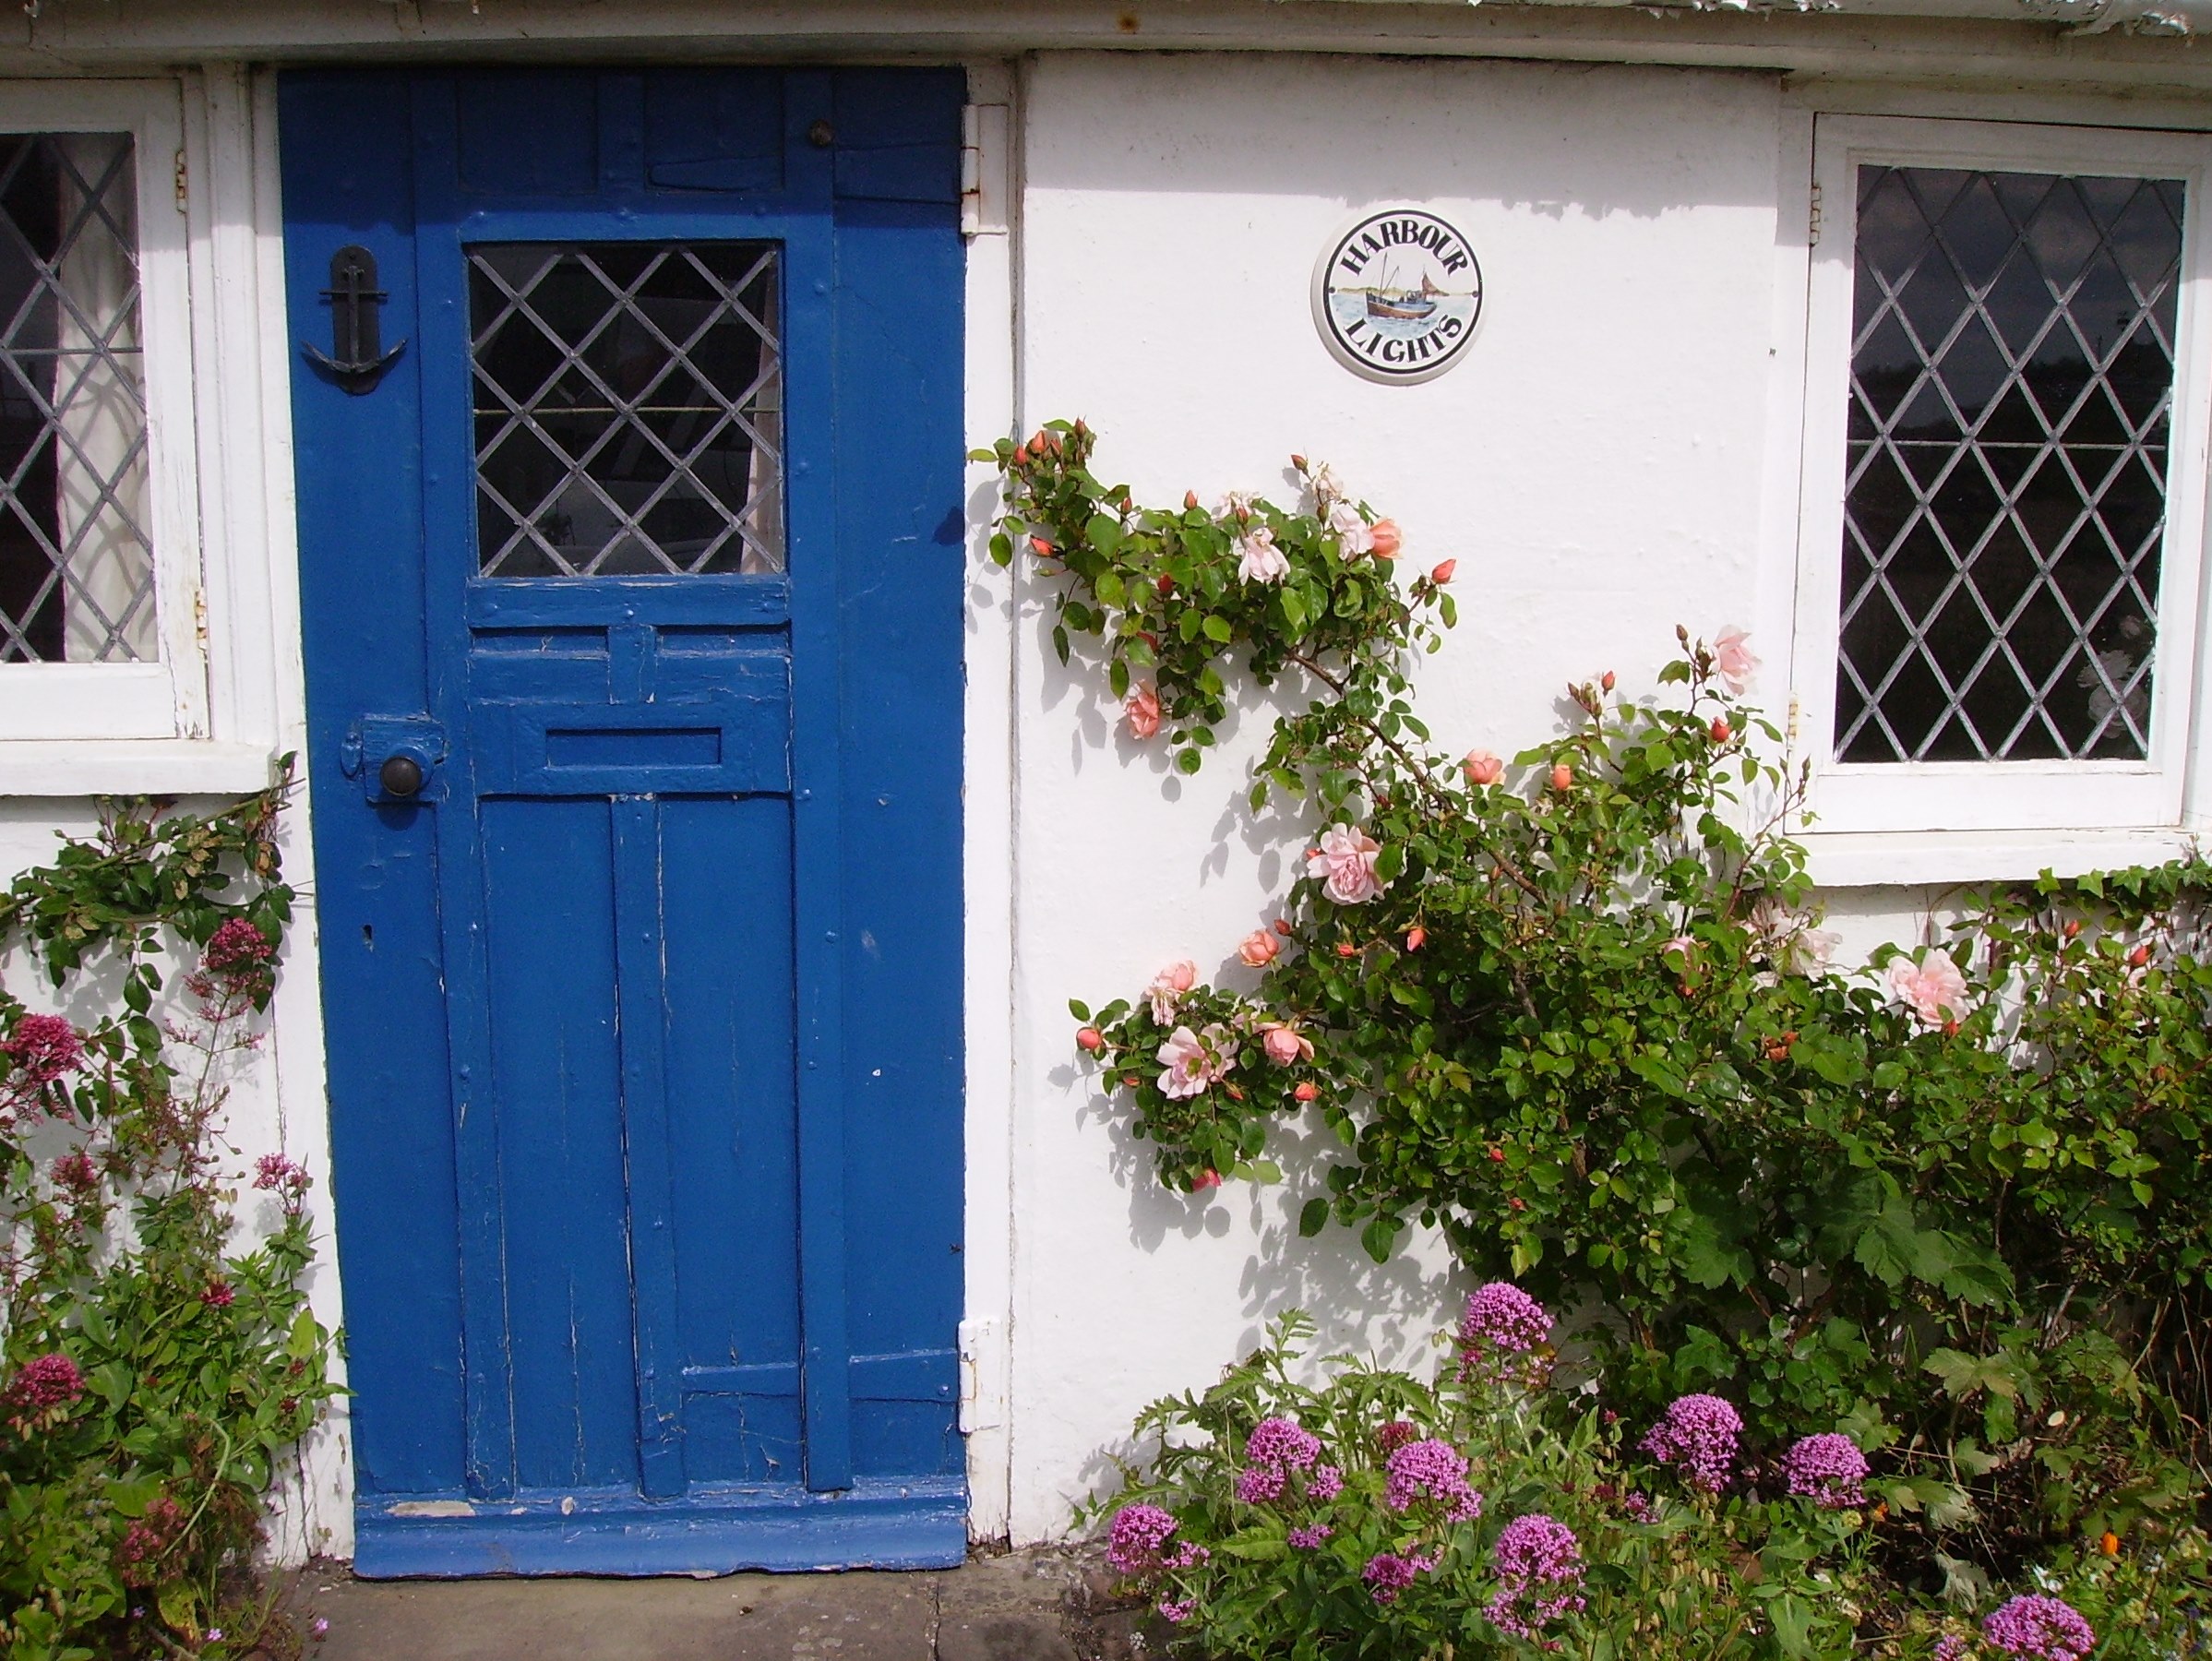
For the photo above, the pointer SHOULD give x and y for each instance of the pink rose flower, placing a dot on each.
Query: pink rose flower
(1354, 535)
(1385, 538)
(1259, 947)
(1194, 1061)
(1345, 862)
(1732, 660)
(1257, 558)
(1168, 986)
(1482, 768)
(1933, 989)
(1143, 708)
(1683, 945)
(1285, 1044)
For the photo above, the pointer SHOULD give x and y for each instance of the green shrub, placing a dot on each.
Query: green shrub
(153, 1373)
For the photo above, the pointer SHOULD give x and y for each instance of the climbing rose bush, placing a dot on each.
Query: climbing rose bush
(1572, 1007)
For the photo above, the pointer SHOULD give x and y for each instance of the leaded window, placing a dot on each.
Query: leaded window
(77, 574)
(2011, 378)
(629, 409)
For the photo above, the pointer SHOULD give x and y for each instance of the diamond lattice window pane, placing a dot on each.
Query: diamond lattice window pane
(628, 408)
(75, 563)
(2012, 379)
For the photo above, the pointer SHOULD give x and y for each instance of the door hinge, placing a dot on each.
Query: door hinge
(1812, 218)
(181, 180)
(983, 170)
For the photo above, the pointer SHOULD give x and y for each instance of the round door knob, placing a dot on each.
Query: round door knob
(401, 776)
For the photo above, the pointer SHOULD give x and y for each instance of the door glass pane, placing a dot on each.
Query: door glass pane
(2012, 382)
(75, 563)
(628, 408)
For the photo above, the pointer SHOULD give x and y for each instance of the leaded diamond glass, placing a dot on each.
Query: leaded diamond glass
(2012, 378)
(75, 563)
(629, 409)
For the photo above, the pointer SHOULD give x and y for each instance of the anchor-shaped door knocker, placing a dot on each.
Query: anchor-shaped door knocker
(356, 359)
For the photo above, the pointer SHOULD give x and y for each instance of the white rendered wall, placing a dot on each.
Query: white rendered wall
(1603, 463)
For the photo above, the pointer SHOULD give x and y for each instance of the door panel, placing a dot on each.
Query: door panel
(646, 552)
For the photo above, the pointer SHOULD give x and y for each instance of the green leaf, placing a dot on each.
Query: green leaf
(1104, 533)
(1312, 1216)
(1792, 1617)
(1080, 1010)
(1217, 629)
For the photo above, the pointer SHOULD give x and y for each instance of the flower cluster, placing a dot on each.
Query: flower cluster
(1502, 1335)
(1540, 1566)
(2047, 1629)
(1387, 1573)
(1431, 1470)
(1932, 988)
(1135, 1536)
(276, 1174)
(43, 1047)
(41, 1385)
(1828, 1469)
(1697, 1436)
(147, 1540)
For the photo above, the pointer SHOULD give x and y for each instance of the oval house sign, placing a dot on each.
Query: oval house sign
(1396, 295)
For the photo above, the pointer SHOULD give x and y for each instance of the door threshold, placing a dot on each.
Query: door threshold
(920, 1523)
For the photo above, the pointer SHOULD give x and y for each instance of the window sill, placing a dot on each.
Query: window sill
(131, 767)
(1889, 858)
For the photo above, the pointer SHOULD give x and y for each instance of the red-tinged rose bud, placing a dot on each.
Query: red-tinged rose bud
(1443, 574)
(1166, 586)
(1235, 1094)
(1212, 1179)
(1132, 1080)
(1496, 1155)
(1038, 443)
(1283, 927)
(1719, 730)
(1190, 498)
(1562, 777)
(1345, 949)
(1605, 680)
(1299, 463)
(1308, 1090)
(1416, 939)
(1950, 1029)
(2140, 956)
(1090, 1039)
(1518, 1203)
(1021, 455)
(2072, 927)
(1045, 550)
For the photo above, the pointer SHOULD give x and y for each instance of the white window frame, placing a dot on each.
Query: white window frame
(1995, 796)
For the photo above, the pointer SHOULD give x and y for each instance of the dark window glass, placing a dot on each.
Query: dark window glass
(629, 409)
(2012, 380)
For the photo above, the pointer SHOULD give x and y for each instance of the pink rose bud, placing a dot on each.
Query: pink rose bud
(2140, 956)
(1498, 1155)
(1443, 574)
(1605, 680)
(1190, 498)
(1345, 949)
(2072, 927)
(1482, 768)
(1166, 585)
(1416, 939)
(1282, 1045)
(1021, 455)
(1308, 1090)
(1283, 927)
(1040, 442)
(1720, 730)
(1562, 777)
(1299, 463)
(1090, 1038)
(1044, 549)
(1259, 948)
(1212, 1179)
(1384, 536)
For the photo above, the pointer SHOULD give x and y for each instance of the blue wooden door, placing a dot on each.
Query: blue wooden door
(629, 430)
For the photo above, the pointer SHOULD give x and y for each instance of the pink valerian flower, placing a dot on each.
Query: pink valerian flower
(1135, 1536)
(1732, 659)
(1309, 1537)
(1501, 1332)
(1697, 1435)
(1259, 948)
(2048, 1628)
(1188, 1554)
(1828, 1469)
(1952, 1648)
(1141, 709)
(1345, 863)
(1260, 1484)
(1390, 1438)
(1168, 988)
(1257, 558)
(1933, 989)
(75, 1174)
(44, 1048)
(1635, 1507)
(1540, 1566)
(218, 1295)
(1431, 1470)
(1325, 1483)
(41, 1383)
(1283, 1443)
(1387, 1573)
(1176, 1610)
(1194, 1061)
(237, 948)
(1285, 1044)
